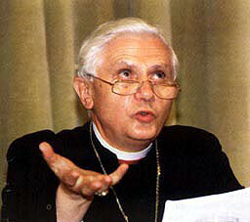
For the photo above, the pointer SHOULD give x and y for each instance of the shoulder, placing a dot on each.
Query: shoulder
(194, 160)
(27, 145)
(188, 138)
(21, 146)
(185, 132)
(29, 178)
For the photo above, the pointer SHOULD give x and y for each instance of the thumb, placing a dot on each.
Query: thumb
(118, 174)
(46, 150)
(54, 161)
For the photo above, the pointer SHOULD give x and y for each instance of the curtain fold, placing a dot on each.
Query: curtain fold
(211, 39)
(59, 19)
(26, 100)
(228, 80)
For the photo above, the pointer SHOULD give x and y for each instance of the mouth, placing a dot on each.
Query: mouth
(144, 116)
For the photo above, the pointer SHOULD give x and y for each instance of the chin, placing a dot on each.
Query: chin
(144, 134)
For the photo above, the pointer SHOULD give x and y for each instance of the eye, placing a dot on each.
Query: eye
(159, 75)
(125, 74)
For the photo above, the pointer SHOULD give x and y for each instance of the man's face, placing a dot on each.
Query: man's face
(132, 121)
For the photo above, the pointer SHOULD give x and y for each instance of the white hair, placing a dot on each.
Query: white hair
(89, 57)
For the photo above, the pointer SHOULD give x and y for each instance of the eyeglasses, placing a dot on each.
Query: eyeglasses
(165, 90)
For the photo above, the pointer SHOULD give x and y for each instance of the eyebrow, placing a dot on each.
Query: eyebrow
(164, 66)
(130, 65)
(122, 63)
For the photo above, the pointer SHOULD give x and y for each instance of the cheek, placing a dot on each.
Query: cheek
(127, 103)
(112, 106)
(167, 108)
(102, 95)
(164, 108)
(129, 106)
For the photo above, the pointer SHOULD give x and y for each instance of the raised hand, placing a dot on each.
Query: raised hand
(77, 186)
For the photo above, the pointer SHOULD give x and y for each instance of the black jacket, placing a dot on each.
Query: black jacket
(191, 160)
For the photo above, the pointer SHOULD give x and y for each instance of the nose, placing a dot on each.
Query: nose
(145, 91)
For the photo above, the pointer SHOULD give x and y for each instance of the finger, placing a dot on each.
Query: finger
(117, 175)
(90, 188)
(47, 151)
(61, 166)
(70, 178)
(88, 185)
(103, 184)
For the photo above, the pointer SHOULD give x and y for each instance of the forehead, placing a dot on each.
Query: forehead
(136, 50)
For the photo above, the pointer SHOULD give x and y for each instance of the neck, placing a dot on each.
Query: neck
(122, 155)
(122, 144)
(121, 148)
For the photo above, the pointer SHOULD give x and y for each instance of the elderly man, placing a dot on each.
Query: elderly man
(123, 164)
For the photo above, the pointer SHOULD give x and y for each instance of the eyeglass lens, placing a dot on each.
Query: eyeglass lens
(161, 90)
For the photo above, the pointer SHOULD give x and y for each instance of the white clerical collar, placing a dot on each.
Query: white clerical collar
(122, 155)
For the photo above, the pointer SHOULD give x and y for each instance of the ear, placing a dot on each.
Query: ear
(83, 89)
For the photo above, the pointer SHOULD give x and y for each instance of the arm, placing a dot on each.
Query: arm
(210, 167)
(31, 189)
(29, 193)
(77, 186)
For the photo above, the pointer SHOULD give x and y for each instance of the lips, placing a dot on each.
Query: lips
(144, 116)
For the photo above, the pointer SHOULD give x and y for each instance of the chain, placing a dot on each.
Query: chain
(158, 173)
